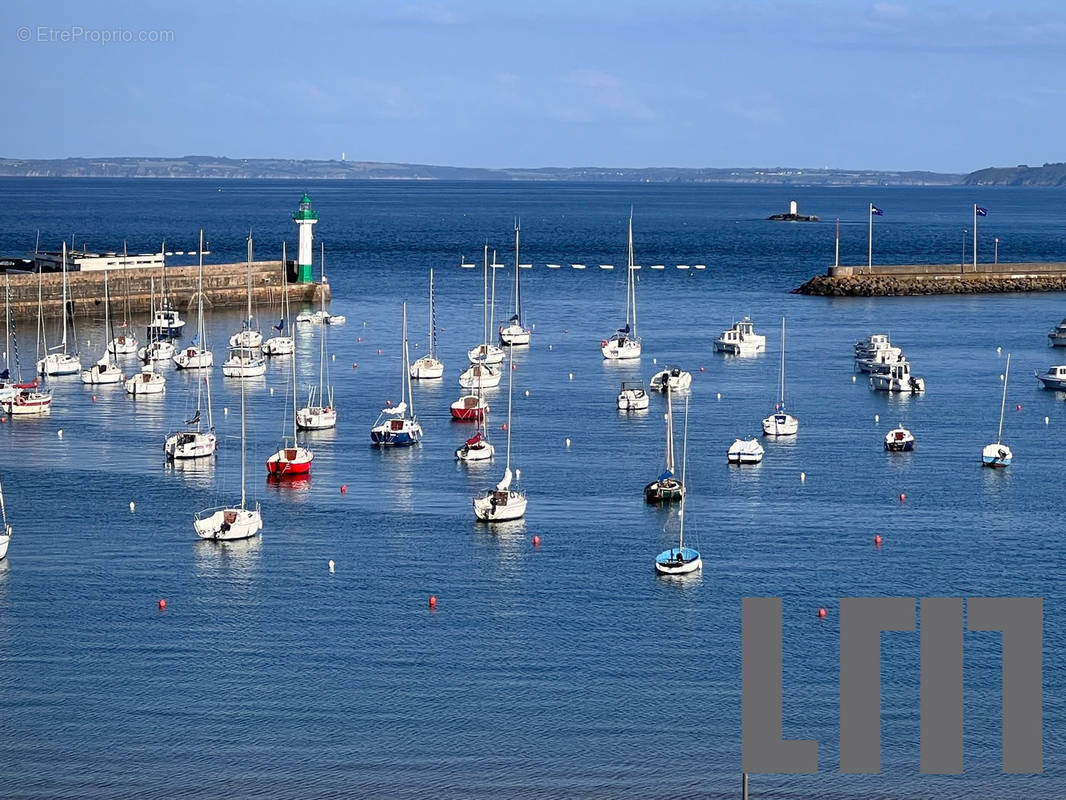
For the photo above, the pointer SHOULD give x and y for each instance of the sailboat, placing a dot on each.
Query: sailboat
(105, 370)
(680, 560)
(26, 398)
(5, 532)
(196, 355)
(486, 352)
(234, 522)
(429, 366)
(157, 349)
(477, 447)
(320, 411)
(247, 336)
(998, 454)
(7, 384)
(779, 423)
(194, 442)
(503, 502)
(666, 487)
(397, 425)
(125, 343)
(624, 343)
(147, 381)
(282, 344)
(513, 333)
(291, 459)
(61, 363)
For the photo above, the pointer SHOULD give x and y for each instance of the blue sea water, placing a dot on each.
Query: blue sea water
(566, 670)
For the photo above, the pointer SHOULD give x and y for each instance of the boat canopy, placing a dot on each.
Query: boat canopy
(504, 484)
(665, 476)
(475, 439)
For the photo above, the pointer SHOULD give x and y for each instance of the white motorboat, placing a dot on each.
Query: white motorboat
(395, 427)
(504, 501)
(675, 378)
(336, 319)
(997, 454)
(147, 381)
(1057, 336)
(64, 363)
(880, 361)
(897, 379)
(320, 412)
(429, 367)
(248, 336)
(166, 322)
(480, 376)
(666, 488)
(745, 451)
(899, 440)
(624, 343)
(244, 362)
(871, 344)
(513, 333)
(1054, 377)
(159, 350)
(5, 532)
(680, 560)
(741, 339)
(232, 522)
(633, 396)
(781, 423)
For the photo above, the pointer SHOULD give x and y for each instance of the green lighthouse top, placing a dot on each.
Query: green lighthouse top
(304, 211)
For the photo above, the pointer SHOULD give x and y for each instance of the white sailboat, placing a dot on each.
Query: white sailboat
(5, 532)
(63, 363)
(157, 349)
(233, 522)
(125, 343)
(780, 423)
(503, 502)
(105, 370)
(487, 352)
(291, 459)
(25, 399)
(282, 344)
(397, 426)
(194, 442)
(7, 381)
(197, 355)
(147, 381)
(320, 412)
(998, 454)
(512, 332)
(429, 367)
(248, 336)
(244, 362)
(477, 447)
(624, 343)
(680, 560)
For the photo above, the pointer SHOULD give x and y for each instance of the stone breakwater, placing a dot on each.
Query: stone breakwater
(906, 280)
(224, 285)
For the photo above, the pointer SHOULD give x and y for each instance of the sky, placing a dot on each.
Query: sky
(949, 87)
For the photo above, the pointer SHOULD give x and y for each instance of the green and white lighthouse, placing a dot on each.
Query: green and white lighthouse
(305, 218)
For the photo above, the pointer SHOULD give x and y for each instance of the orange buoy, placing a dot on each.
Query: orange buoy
(536, 541)
(344, 488)
(433, 601)
(902, 497)
(162, 604)
(877, 540)
(3, 419)
(822, 613)
(503, 427)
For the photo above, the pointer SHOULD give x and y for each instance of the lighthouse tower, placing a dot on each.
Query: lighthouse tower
(305, 219)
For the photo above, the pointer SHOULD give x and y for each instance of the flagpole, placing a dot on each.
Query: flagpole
(975, 237)
(836, 260)
(870, 240)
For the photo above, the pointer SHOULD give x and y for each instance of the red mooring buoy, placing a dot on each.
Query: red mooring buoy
(822, 613)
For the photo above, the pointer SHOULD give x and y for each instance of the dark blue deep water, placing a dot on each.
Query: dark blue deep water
(565, 671)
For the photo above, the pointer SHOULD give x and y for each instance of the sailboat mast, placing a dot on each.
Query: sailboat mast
(684, 490)
(669, 429)
(492, 297)
(485, 304)
(432, 327)
(248, 323)
(407, 366)
(108, 330)
(64, 298)
(632, 284)
(781, 378)
(200, 332)
(1003, 402)
(285, 318)
(7, 321)
(42, 342)
(517, 306)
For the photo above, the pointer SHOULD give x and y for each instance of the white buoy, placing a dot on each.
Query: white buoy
(271, 391)
(533, 327)
(132, 506)
(803, 477)
(334, 356)
(225, 410)
(527, 392)
(59, 433)
(877, 417)
(518, 474)
(331, 565)
(567, 441)
(719, 396)
(1001, 376)
(999, 349)
(549, 347)
(853, 379)
(571, 376)
(1047, 420)
(655, 361)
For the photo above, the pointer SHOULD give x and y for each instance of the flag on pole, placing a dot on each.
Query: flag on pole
(981, 212)
(875, 210)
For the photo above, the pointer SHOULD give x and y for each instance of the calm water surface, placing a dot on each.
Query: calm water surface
(563, 671)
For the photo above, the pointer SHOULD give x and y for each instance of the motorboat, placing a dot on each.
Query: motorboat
(997, 454)
(897, 379)
(335, 319)
(624, 344)
(633, 396)
(166, 322)
(675, 378)
(666, 487)
(899, 440)
(480, 376)
(780, 423)
(244, 362)
(470, 407)
(396, 427)
(871, 344)
(1054, 377)
(745, 451)
(741, 339)
(1057, 336)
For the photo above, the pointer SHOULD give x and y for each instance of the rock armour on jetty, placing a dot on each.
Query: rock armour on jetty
(890, 286)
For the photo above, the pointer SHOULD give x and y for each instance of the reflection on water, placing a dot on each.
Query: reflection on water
(239, 557)
(293, 489)
(198, 472)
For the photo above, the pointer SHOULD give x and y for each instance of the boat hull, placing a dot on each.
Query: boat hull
(29, 404)
(745, 452)
(481, 452)
(246, 339)
(194, 358)
(997, 456)
(5, 540)
(1056, 384)
(497, 506)
(228, 524)
(667, 491)
(486, 354)
(615, 349)
(58, 364)
(780, 425)
(514, 336)
(678, 561)
(156, 351)
(480, 376)
(278, 346)
(469, 409)
(123, 345)
(189, 444)
(290, 461)
(633, 401)
(427, 368)
(316, 418)
(100, 375)
(144, 383)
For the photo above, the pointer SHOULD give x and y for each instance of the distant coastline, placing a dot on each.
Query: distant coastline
(210, 167)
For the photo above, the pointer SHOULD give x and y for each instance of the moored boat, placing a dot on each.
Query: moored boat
(741, 339)
(899, 440)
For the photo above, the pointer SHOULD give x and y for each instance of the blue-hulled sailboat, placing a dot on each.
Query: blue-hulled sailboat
(680, 560)
(397, 425)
